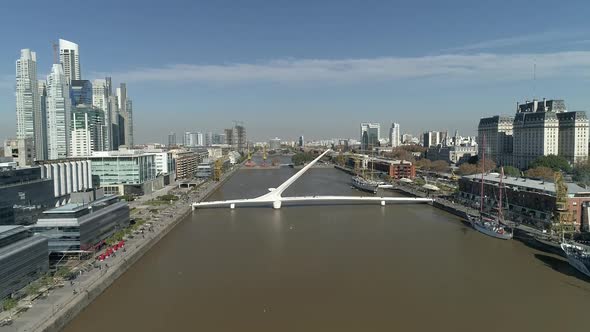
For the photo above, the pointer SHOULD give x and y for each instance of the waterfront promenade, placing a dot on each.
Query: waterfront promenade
(62, 304)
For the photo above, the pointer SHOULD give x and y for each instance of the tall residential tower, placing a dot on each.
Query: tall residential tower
(28, 117)
(69, 57)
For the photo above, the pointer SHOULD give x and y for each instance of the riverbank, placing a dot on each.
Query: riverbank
(523, 233)
(62, 304)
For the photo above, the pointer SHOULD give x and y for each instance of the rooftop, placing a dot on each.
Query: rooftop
(72, 208)
(9, 230)
(539, 185)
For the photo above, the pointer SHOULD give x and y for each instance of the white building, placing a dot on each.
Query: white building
(101, 90)
(69, 175)
(200, 141)
(126, 112)
(497, 131)
(395, 135)
(58, 114)
(69, 57)
(274, 143)
(28, 117)
(80, 142)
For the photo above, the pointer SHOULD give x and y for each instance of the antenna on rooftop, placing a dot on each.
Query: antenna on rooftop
(534, 78)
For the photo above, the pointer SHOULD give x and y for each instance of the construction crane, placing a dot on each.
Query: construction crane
(563, 222)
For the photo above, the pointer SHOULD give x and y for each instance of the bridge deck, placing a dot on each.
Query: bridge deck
(302, 199)
(275, 198)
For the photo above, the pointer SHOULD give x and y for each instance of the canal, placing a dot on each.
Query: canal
(336, 268)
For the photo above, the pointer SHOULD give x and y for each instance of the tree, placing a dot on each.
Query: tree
(488, 167)
(540, 172)
(467, 169)
(556, 163)
(423, 163)
(582, 173)
(473, 159)
(9, 303)
(439, 166)
(511, 171)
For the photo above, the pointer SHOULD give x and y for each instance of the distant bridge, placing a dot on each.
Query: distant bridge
(274, 196)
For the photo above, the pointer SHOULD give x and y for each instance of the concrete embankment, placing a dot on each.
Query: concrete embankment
(80, 301)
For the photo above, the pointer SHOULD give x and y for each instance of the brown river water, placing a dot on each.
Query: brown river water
(336, 268)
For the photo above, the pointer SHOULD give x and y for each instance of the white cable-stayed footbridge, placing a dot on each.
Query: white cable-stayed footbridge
(275, 199)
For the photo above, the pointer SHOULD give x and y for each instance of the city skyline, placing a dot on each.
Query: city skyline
(333, 69)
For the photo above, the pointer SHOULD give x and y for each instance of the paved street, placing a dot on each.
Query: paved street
(58, 298)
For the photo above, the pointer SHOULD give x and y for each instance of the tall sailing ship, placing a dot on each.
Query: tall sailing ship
(489, 224)
(578, 256)
(364, 184)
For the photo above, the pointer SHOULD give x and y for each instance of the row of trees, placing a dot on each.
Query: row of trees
(544, 167)
(302, 158)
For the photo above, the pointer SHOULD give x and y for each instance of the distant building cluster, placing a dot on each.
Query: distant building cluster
(234, 137)
(64, 115)
(539, 128)
(455, 150)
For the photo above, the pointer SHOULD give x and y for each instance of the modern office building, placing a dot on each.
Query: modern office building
(26, 192)
(116, 123)
(82, 227)
(21, 150)
(69, 57)
(395, 135)
(81, 92)
(67, 175)
(301, 142)
(27, 97)
(87, 130)
(370, 134)
(220, 138)
(125, 171)
(23, 258)
(58, 114)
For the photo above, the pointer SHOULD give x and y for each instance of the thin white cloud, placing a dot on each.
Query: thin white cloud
(522, 40)
(476, 66)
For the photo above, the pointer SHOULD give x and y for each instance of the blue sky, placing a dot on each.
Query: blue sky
(316, 68)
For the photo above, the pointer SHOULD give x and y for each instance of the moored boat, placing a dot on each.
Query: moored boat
(578, 256)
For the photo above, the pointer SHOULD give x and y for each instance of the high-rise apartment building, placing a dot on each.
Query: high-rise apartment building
(41, 122)
(395, 135)
(69, 57)
(58, 113)
(28, 111)
(199, 141)
(100, 99)
(172, 139)
(369, 136)
(208, 138)
(126, 112)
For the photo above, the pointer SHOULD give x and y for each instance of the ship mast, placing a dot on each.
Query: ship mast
(500, 215)
(483, 162)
